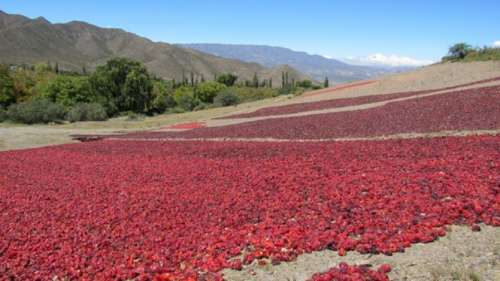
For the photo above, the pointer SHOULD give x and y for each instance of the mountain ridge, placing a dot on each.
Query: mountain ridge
(314, 65)
(77, 44)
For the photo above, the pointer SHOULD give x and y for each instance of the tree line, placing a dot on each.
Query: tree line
(46, 93)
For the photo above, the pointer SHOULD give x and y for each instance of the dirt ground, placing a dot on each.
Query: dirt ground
(460, 255)
(17, 136)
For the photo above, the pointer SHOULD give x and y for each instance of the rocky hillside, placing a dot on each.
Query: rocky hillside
(76, 44)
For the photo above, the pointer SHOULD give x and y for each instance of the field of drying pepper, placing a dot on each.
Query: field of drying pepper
(143, 210)
(161, 210)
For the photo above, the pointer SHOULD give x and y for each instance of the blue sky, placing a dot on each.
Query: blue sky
(421, 30)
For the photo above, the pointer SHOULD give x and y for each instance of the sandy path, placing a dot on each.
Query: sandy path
(388, 137)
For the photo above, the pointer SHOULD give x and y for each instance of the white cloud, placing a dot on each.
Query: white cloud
(390, 60)
(496, 44)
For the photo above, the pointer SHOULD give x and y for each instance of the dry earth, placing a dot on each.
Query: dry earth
(460, 255)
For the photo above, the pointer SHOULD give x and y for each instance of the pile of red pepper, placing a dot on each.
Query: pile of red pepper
(472, 109)
(327, 104)
(345, 272)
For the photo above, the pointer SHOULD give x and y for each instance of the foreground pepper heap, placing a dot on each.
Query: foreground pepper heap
(344, 272)
(178, 210)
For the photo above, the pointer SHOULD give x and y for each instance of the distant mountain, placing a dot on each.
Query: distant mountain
(316, 66)
(76, 44)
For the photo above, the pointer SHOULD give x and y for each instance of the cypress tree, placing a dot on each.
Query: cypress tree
(270, 82)
(255, 80)
(326, 84)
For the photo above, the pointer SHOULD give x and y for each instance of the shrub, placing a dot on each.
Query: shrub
(87, 112)
(226, 98)
(246, 94)
(162, 97)
(227, 79)
(69, 90)
(304, 84)
(133, 116)
(207, 91)
(3, 114)
(36, 111)
(176, 110)
(202, 106)
(185, 98)
(6, 87)
(286, 90)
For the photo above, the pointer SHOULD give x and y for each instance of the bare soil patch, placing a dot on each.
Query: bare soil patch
(460, 255)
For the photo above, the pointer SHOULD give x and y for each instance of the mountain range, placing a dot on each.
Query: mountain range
(315, 66)
(77, 44)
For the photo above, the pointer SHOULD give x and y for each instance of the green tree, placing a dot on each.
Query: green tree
(227, 79)
(255, 80)
(24, 83)
(459, 50)
(206, 92)
(69, 90)
(185, 98)
(326, 83)
(122, 85)
(6, 87)
(163, 96)
(136, 94)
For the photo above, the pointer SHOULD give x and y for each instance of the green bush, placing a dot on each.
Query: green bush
(226, 98)
(3, 114)
(133, 116)
(304, 84)
(227, 79)
(6, 87)
(162, 97)
(36, 111)
(69, 90)
(87, 112)
(202, 106)
(185, 98)
(246, 94)
(176, 110)
(207, 91)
